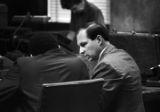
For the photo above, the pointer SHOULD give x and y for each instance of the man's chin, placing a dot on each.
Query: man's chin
(88, 58)
(91, 59)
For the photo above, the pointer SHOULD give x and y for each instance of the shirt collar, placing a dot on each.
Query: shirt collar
(100, 55)
(106, 50)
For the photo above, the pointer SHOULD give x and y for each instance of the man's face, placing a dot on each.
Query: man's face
(90, 48)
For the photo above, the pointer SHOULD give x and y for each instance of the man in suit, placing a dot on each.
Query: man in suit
(48, 64)
(122, 87)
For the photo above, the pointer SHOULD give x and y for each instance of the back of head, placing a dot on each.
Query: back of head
(41, 42)
(94, 29)
(67, 4)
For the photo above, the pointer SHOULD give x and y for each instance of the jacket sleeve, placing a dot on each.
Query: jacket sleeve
(112, 81)
(8, 89)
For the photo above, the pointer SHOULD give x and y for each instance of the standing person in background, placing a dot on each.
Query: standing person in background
(49, 64)
(122, 90)
(82, 12)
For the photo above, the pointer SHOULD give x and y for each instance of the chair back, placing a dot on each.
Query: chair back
(74, 96)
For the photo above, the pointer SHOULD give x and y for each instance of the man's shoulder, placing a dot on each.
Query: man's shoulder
(121, 61)
(73, 62)
(25, 60)
(72, 59)
(92, 6)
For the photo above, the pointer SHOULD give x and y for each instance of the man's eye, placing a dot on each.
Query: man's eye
(83, 44)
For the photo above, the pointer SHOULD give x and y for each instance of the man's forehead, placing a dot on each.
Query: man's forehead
(82, 32)
(82, 36)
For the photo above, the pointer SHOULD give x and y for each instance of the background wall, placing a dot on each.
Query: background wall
(144, 48)
(142, 16)
(137, 15)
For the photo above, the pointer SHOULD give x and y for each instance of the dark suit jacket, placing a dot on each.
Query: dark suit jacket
(122, 87)
(52, 66)
(8, 87)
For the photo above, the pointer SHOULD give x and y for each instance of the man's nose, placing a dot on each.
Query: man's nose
(81, 50)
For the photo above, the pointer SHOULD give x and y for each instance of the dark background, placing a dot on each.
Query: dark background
(126, 15)
(21, 7)
(137, 15)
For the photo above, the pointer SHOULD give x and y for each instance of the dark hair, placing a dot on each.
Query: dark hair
(94, 29)
(41, 42)
(67, 4)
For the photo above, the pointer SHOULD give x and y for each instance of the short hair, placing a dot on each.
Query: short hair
(41, 42)
(94, 29)
(67, 4)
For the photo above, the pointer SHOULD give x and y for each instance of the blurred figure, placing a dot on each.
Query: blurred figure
(14, 55)
(48, 64)
(82, 12)
(5, 62)
(122, 90)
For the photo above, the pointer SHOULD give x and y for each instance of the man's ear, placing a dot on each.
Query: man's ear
(99, 39)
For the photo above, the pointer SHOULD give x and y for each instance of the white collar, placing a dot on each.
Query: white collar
(102, 52)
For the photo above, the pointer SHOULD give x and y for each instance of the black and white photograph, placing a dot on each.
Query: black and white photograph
(79, 55)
